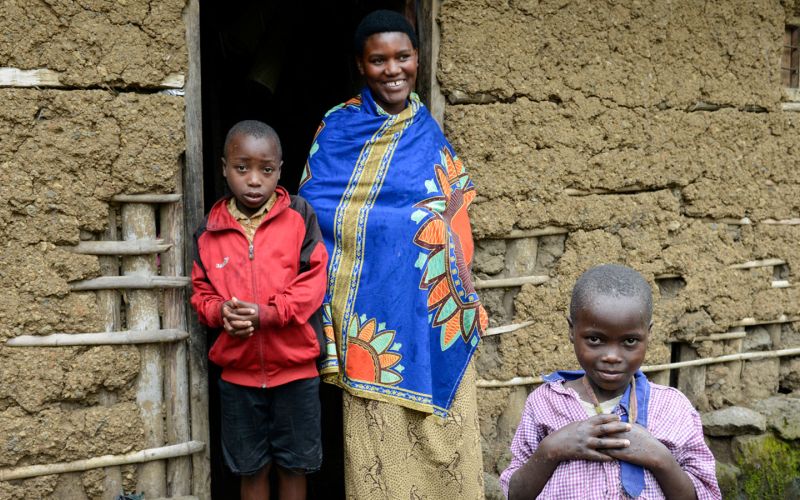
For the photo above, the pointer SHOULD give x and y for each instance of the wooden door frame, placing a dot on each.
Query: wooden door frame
(193, 215)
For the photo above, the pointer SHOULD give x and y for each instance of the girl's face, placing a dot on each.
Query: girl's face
(389, 64)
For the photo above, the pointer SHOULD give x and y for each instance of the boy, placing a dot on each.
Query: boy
(577, 437)
(259, 274)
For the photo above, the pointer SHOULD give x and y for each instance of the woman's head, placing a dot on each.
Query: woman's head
(386, 55)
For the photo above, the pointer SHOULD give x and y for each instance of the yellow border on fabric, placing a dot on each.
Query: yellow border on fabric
(407, 403)
(340, 294)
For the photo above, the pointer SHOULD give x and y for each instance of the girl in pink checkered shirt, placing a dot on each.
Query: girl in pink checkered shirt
(606, 432)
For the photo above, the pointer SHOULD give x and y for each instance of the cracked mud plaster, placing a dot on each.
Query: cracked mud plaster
(96, 42)
(636, 54)
(63, 155)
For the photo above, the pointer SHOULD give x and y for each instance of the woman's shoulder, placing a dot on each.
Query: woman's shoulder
(341, 110)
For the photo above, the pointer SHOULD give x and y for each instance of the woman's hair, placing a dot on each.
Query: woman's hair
(382, 21)
(611, 280)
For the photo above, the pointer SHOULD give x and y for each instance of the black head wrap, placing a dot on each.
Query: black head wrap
(382, 21)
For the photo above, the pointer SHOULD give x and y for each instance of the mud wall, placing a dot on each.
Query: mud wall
(64, 153)
(655, 134)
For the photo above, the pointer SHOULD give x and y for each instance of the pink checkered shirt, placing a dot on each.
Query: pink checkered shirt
(671, 419)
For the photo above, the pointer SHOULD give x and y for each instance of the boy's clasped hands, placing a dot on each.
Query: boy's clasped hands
(604, 438)
(239, 318)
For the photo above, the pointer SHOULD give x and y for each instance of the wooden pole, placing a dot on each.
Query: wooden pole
(193, 211)
(127, 337)
(753, 322)
(42, 77)
(110, 307)
(137, 457)
(509, 282)
(506, 328)
(131, 282)
(176, 377)
(657, 368)
(530, 233)
(147, 198)
(119, 247)
(138, 222)
(759, 263)
(713, 336)
(692, 378)
(785, 222)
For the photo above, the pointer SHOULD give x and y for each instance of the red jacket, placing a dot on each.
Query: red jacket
(283, 271)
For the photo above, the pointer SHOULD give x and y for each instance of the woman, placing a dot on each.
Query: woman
(401, 316)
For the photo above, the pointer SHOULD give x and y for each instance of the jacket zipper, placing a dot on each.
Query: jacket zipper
(251, 250)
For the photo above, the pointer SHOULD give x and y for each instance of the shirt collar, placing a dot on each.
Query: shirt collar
(238, 215)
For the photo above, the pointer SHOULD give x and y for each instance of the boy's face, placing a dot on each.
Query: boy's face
(610, 336)
(252, 167)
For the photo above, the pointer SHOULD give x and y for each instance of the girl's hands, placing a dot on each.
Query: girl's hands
(589, 439)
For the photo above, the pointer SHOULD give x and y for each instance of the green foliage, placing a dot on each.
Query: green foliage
(768, 468)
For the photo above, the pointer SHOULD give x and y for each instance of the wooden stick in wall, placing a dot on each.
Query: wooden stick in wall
(713, 336)
(529, 233)
(137, 457)
(142, 282)
(119, 247)
(657, 368)
(497, 330)
(142, 313)
(759, 263)
(146, 198)
(510, 282)
(176, 367)
(784, 222)
(109, 304)
(127, 337)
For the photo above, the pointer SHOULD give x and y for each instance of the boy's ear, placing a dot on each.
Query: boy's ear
(571, 333)
(224, 174)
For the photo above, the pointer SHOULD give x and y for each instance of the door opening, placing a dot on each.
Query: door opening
(284, 63)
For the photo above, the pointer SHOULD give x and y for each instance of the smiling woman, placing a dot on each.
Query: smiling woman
(388, 62)
(401, 316)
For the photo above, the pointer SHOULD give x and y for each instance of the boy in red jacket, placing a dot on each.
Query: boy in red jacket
(259, 274)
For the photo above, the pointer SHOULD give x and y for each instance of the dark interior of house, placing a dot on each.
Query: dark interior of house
(286, 64)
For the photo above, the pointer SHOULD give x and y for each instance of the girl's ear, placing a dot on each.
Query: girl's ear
(224, 174)
(359, 66)
(571, 333)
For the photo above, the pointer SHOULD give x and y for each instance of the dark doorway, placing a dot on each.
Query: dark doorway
(284, 63)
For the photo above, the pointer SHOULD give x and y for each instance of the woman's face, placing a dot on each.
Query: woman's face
(389, 64)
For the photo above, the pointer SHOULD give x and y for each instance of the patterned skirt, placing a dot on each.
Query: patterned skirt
(392, 452)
